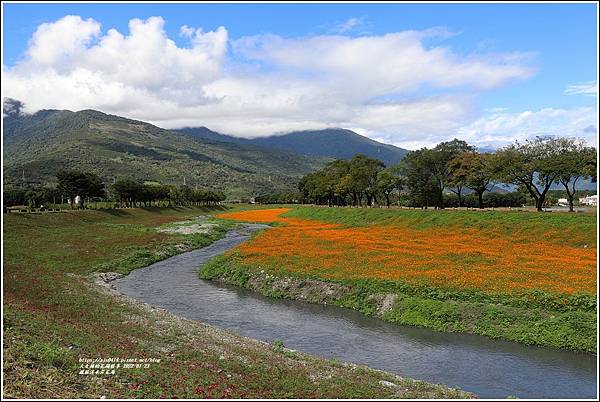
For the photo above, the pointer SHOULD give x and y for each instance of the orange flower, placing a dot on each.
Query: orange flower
(473, 258)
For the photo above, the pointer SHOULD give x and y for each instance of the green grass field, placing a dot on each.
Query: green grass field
(524, 276)
(54, 315)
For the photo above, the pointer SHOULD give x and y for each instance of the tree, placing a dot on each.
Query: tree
(127, 191)
(340, 179)
(36, 197)
(574, 162)
(419, 179)
(388, 183)
(316, 188)
(439, 158)
(533, 165)
(74, 183)
(334, 173)
(13, 196)
(471, 169)
(428, 173)
(344, 188)
(363, 178)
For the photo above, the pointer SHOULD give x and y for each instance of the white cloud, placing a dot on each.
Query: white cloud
(348, 25)
(584, 88)
(70, 64)
(52, 43)
(186, 32)
(266, 83)
(396, 62)
(499, 129)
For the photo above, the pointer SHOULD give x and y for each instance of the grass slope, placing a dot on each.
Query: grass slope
(326, 274)
(53, 315)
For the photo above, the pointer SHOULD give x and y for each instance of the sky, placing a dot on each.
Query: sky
(412, 75)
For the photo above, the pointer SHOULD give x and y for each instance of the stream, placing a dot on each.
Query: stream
(487, 367)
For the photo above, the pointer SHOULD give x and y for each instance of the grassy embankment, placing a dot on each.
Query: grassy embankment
(54, 315)
(523, 276)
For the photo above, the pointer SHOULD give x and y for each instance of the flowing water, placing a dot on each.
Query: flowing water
(489, 368)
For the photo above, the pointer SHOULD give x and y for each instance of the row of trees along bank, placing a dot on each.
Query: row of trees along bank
(425, 174)
(123, 193)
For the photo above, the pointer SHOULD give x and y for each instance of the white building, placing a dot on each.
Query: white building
(563, 202)
(589, 200)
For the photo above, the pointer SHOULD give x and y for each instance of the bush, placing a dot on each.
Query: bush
(490, 200)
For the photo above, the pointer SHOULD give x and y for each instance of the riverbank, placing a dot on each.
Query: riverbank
(469, 272)
(54, 316)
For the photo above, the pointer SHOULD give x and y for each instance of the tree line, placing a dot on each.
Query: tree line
(425, 176)
(125, 192)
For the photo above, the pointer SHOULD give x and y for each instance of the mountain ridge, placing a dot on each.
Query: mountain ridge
(40, 144)
(338, 143)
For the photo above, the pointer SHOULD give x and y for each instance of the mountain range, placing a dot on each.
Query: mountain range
(335, 143)
(38, 145)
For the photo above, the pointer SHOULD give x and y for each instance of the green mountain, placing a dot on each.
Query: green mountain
(335, 143)
(37, 146)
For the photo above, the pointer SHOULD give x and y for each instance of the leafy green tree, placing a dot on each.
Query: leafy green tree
(533, 165)
(363, 178)
(343, 188)
(127, 191)
(334, 173)
(472, 170)
(575, 161)
(388, 183)
(419, 179)
(36, 197)
(439, 158)
(13, 196)
(428, 172)
(75, 183)
(314, 188)
(341, 179)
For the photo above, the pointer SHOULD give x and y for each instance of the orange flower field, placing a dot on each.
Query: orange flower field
(470, 258)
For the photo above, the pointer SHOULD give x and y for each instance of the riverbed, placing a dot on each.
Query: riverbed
(487, 367)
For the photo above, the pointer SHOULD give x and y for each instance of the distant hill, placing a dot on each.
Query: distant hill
(331, 143)
(40, 144)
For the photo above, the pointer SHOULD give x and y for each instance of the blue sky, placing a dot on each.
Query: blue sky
(553, 45)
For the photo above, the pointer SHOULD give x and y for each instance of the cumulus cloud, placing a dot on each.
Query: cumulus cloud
(71, 64)
(585, 88)
(395, 87)
(54, 43)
